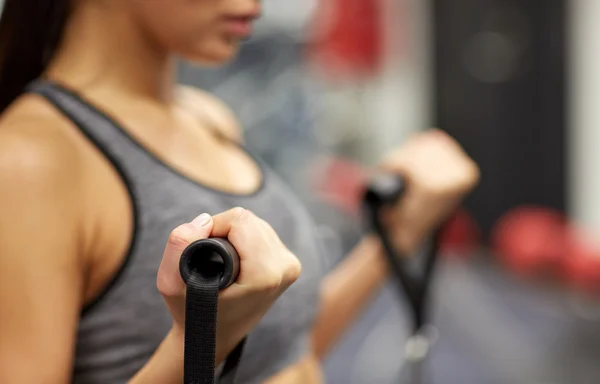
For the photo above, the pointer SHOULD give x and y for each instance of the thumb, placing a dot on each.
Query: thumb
(169, 279)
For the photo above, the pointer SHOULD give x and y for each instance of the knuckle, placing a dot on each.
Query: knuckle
(470, 177)
(239, 213)
(247, 216)
(166, 286)
(291, 267)
(293, 271)
(474, 172)
(242, 217)
(178, 238)
(162, 283)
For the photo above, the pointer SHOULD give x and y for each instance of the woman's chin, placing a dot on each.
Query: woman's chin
(216, 56)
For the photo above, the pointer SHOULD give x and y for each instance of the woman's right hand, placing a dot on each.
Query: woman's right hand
(267, 269)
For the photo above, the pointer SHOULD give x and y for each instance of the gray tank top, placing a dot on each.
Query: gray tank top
(120, 330)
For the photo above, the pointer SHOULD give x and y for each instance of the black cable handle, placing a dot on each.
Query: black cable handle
(207, 266)
(383, 191)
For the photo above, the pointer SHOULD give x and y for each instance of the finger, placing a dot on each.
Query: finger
(244, 230)
(169, 278)
(224, 222)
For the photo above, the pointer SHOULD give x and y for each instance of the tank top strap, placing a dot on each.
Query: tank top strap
(95, 124)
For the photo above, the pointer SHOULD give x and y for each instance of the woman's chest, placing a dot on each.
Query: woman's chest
(282, 337)
(134, 310)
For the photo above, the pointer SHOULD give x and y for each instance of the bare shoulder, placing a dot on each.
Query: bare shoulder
(209, 106)
(35, 147)
(40, 243)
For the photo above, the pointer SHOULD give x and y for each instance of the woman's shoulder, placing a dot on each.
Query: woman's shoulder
(43, 173)
(36, 146)
(209, 107)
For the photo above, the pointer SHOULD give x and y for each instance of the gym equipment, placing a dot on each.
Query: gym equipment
(530, 239)
(223, 262)
(210, 265)
(206, 266)
(383, 191)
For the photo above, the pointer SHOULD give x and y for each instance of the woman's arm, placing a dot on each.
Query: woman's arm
(166, 365)
(439, 175)
(346, 291)
(41, 277)
(41, 267)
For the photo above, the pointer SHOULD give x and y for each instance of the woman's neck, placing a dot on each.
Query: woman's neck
(106, 50)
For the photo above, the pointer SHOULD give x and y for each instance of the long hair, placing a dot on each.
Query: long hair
(30, 31)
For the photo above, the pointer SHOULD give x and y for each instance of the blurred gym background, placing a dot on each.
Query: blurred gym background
(324, 87)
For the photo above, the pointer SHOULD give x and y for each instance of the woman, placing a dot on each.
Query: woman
(105, 156)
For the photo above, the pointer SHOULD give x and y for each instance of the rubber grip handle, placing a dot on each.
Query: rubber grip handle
(210, 258)
(384, 189)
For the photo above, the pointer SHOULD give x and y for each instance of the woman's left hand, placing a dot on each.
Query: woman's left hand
(438, 175)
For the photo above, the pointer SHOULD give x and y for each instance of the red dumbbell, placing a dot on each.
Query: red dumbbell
(530, 239)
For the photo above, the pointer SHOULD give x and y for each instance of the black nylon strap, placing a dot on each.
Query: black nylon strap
(383, 191)
(414, 286)
(205, 276)
(200, 330)
(231, 364)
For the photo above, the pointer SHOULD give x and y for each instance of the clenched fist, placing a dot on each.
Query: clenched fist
(267, 269)
(438, 175)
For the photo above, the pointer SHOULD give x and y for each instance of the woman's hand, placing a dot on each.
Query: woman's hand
(439, 174)
(267, 269)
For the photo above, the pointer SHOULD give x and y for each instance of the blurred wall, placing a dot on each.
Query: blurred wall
(501, 91)
(366, 116)
(402, 102)
(584, 165)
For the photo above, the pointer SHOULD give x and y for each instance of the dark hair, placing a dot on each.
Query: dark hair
(30, 31)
